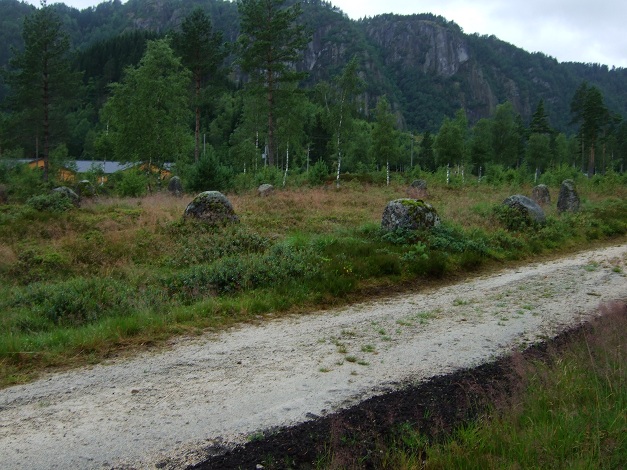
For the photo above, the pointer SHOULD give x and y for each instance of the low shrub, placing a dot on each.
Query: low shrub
(77, 301)
(53, 202)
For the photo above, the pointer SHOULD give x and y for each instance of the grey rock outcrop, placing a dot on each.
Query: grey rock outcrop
(409, 214)
(175, 186)
(211, 207)
(68, 193)
(526, 207)
(568, 199)
(265, 190)
(541, 194)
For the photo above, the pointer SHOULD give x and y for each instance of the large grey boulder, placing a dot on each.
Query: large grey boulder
(68, 193)
(211, 207)
(526, 208)
(265, 190)
(541, 194)
(409, 214)
(568, 199)
(175, 186)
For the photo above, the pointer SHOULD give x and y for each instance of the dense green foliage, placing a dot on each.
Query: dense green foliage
(238, 125)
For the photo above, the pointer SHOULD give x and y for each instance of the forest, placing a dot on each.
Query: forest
(227, 101)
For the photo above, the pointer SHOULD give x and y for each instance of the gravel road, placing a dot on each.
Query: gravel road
(162, 408)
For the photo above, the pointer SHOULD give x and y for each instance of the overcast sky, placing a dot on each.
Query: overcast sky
(569, 30)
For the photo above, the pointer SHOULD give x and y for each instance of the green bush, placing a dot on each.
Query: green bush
(52, 202)
(207, 174)
(555, 176)
(132, 183)
(280, 264)
(318, 173)
(76, 301)
(513, 219)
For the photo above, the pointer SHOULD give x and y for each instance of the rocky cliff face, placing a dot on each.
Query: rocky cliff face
(411, 43)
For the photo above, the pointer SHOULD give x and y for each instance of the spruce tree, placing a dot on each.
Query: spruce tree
(42, 81)
(270, 42)
(202, 52)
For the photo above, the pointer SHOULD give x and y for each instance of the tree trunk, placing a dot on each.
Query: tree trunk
(270, 155)
(197, 148)
(46, 103)
(591, 161)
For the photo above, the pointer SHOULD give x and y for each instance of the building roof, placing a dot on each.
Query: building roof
(84, 166)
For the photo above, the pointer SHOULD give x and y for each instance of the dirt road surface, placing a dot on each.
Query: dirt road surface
(162, 408)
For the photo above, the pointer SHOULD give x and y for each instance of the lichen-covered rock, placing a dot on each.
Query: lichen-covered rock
(409, 214)
(68, 193)
(175, 186)
(265, 190)
(211, 207)
(541, 194)
(526, 207)
(85, 188)
(419, 184)
(568, 199)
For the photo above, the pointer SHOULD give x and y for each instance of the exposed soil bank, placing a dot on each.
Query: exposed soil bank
(169, 409)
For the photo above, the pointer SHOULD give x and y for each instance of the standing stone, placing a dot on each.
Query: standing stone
(265, 190)
(526, 207)
(211, 207)
(419, 184)
(175, 186)
(541, 194)
(68, 193)
(84, 188)
(568, 200)
(409, 214)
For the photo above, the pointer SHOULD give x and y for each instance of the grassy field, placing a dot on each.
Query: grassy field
(117, 275)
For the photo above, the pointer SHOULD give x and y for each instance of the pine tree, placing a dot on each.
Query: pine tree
(589, 111)
(202, 52)
(42, 81)
(270, 42)
(539, 121)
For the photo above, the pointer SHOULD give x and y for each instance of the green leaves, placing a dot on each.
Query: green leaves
(148, 111)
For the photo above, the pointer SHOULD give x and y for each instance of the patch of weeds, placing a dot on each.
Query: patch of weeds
(351, 359)
(255, 437)
(341, 348)
(424, 317)
(591, 267)
(361, 362)
(369, 348)
(403, 323)
(324, 370)
(457, 302)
